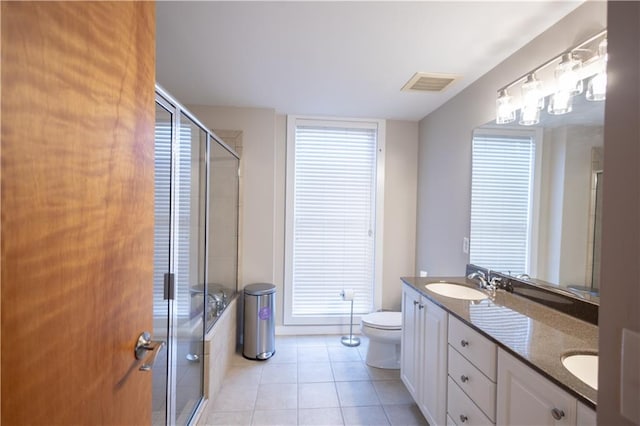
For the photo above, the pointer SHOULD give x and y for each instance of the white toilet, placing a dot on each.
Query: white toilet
(384, 330)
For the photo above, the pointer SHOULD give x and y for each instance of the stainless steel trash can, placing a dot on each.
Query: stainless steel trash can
(259, 321)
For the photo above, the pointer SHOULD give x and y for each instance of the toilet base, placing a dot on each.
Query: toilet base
(383, 355)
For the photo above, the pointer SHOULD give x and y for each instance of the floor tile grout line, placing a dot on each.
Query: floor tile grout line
(370, 379)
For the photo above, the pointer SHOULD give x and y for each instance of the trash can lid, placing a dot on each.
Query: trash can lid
(259, 289)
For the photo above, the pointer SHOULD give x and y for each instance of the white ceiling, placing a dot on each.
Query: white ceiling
(337, 58)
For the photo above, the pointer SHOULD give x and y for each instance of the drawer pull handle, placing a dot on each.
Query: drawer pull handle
(415, 303)
(463, 418)
(557, 413)
(464, 343)
(464, 378)
(421, 306)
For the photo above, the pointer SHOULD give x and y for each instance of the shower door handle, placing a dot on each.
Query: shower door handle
(144, 345)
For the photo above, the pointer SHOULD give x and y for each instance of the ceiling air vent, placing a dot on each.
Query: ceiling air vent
(429, 82)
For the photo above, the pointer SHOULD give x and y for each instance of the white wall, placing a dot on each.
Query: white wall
(444, 163)
(401, 178)
(257, 164)
(263, 163)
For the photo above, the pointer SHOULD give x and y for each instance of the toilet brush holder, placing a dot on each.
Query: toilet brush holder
(349, 340)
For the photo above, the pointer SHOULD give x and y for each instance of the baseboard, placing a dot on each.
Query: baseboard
(300, 330)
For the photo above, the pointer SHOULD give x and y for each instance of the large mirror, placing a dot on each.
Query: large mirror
(537, 195)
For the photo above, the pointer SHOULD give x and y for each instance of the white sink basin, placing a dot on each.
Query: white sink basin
(584, 367)
(456, 291)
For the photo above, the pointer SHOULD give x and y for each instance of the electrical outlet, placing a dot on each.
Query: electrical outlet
(423, 274)
(630, 375)
(465, 245)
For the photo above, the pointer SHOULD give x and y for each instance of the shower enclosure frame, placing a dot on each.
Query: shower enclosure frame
(177, 112)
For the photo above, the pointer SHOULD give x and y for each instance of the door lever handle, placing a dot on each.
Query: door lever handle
(144, 345)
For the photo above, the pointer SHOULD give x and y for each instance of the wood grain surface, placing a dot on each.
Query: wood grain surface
(77, 210)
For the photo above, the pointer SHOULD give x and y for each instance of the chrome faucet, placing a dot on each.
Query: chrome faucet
(216, 304)
(481, 277)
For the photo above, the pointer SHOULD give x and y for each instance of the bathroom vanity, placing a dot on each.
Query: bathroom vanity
(492, 361)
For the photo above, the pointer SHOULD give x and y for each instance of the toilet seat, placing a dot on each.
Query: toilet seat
(383, 320)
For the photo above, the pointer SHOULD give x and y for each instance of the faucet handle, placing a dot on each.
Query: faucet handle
(501, 283)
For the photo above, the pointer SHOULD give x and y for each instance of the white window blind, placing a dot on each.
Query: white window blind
(162, 212)
(163, 222)
(186, 216)
(501, 197)
(331, 235)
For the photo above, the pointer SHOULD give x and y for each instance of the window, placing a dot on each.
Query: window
(502, 195)
(332, 172)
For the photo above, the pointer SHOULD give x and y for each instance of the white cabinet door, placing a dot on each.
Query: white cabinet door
(423, 364)
(527, 398)
(410, 335)
(432, 395)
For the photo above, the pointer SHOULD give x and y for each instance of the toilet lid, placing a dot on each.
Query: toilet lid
(383, 320)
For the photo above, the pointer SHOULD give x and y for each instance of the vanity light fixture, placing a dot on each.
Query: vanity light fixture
(567, 74)
(505, 112)
(560, 102)
(572, 67)
(568, 84)
(533, 101)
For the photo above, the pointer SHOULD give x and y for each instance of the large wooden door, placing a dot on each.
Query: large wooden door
(76, 210)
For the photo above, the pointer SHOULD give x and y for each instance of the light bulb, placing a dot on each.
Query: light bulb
(529, 115)
(602, 49)
(597, 87)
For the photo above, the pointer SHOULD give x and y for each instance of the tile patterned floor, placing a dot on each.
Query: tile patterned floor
(312, 380)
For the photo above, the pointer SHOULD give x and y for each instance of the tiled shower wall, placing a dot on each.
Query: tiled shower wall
(219, 347)
(233, 138)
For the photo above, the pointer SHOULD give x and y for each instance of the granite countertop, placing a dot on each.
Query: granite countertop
(536, 334)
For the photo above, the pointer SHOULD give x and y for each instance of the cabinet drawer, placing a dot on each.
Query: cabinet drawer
(462, 410)
(473, 346)
(475, 384)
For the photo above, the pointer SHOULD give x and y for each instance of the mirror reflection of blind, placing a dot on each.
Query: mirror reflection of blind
(334, 209)
(505, 325)
(162, 211)
(501, 193)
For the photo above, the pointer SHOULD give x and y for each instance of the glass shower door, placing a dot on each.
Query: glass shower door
(161, 261)
(179, 296)
(190, 298)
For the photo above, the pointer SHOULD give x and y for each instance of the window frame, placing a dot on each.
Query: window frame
(380, 126)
